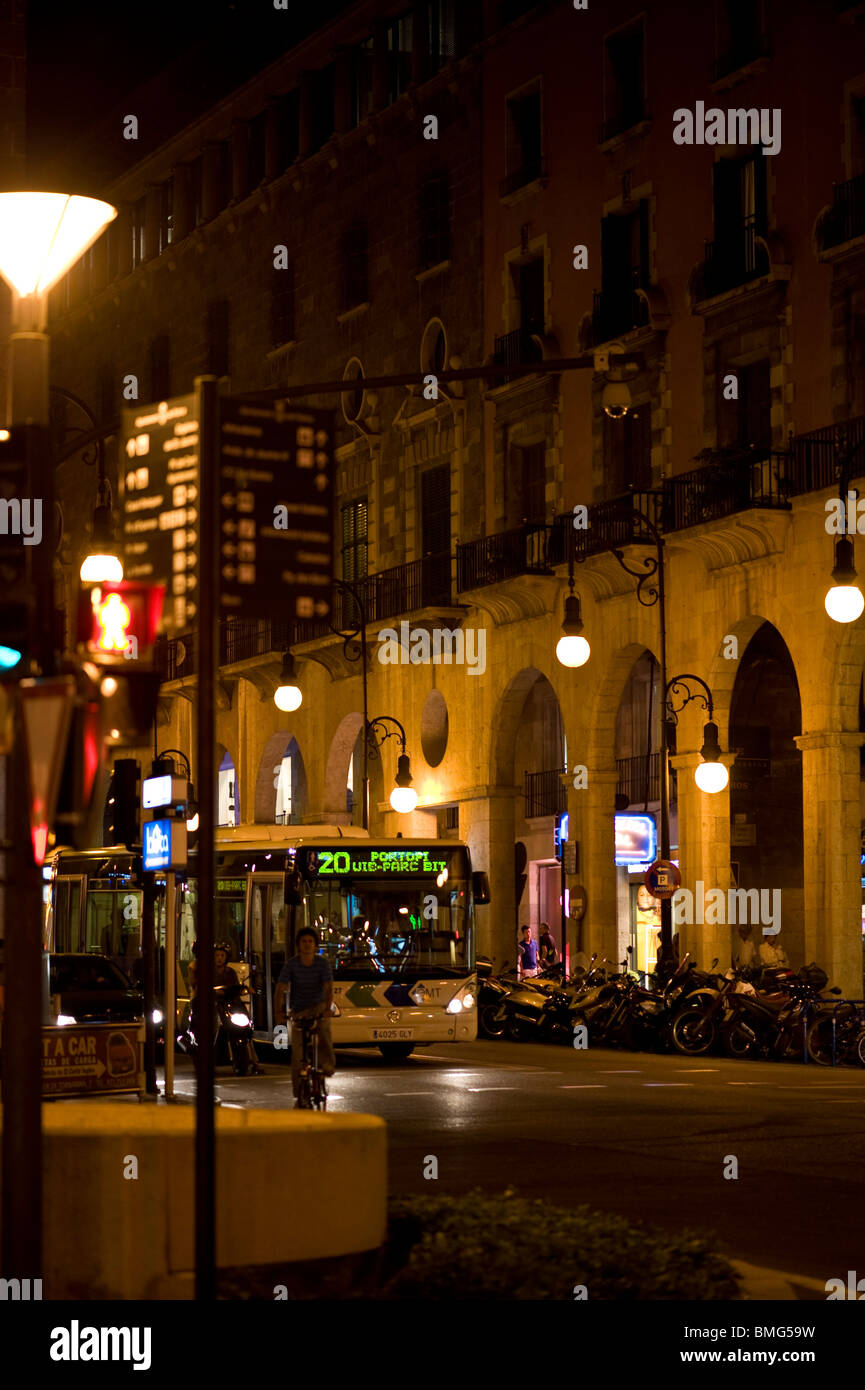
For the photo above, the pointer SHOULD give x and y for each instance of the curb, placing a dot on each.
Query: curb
(777, 1285)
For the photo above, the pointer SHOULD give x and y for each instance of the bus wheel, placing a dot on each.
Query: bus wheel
(396, 1052)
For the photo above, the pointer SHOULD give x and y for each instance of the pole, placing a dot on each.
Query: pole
(365, 721)
(21, 1256)
(666, 903)
(148, 948)
(207, 393)
(564, 920)
(170, 989)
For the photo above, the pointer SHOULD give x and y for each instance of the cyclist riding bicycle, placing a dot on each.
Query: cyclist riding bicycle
(307, 979)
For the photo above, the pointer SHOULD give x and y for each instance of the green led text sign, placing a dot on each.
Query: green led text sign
(231, 885)
(379, 863)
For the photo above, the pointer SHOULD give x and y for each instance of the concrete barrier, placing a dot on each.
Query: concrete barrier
(119, 1195)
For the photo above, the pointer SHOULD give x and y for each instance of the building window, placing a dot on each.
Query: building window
(624, 270)
(137, 221)
(282, 329)
(754, 422)
(355, 267)
(399, 46)
(196, 190)
(624, 80)
(524, 148)
(256, 152)
(740, 35)
(441, 30)
(525, 484)
(739, 197)
(530, 293)
(435, 232)
(289, 128)
(322, 107)
(160, 368)
(217, 333)
(354, 540)
(166, 215)
(361, 81)
(628, 451)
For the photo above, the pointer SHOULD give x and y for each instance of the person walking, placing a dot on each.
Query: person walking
(527, 954)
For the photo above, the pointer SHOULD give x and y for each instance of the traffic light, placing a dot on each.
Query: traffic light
(121, 822)
(19, 533)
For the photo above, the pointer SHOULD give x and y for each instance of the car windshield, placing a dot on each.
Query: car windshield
(85, 973)
(369, 931)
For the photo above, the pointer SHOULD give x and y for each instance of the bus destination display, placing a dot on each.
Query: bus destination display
(377, 863)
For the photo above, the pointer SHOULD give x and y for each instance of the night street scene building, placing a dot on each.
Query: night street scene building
(645, 227)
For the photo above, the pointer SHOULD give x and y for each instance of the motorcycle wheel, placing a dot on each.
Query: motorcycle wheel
(241, 1059)
(515, 1030)
(693, 1034)
(820, 1042)
(736, 1043)
(860, 1049)
(491, 1026)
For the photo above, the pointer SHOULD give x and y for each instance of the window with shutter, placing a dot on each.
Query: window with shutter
(436, 511)
(755, 417)
(434, 221)
(217, 337)
(282, 329)
(354, 540)
(355, 279)
(628, 451)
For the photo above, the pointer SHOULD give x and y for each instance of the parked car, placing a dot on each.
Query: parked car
(92, 989)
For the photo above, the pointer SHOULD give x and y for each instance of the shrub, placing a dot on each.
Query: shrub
(507, 1247)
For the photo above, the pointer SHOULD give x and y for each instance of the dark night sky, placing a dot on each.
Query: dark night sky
(89, 63)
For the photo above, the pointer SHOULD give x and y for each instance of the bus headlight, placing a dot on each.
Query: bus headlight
(465, 999)
(63, 1020)
(455, 1006)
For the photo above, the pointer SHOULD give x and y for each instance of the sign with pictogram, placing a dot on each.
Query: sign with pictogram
(118, 621)
(159, 490)
(276, 510)
(80, 1059)
(662, 878)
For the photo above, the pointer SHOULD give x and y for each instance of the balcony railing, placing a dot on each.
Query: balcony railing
(618, 312)
(403, 589)
(719, 489)
(733, 261)
(528, 549)
(518, 178)
(815, 457)
(544, 793)
(639, 778)
(846, 219)
(175, 658)
(512, 349)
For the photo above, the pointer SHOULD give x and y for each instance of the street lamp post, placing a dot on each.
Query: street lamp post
(845, 601)
(650, 591)
(41, 236)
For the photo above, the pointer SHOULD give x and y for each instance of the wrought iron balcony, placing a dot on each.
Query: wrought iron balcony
(518, 178)
(617, 312)
(528, 549)
(403, 589)
(815, 458)
(544, 793)
(175, 658)
(513, 349)
(725, 485)
(639, 778)
(846, 218)
(614, 523)
(733, 261)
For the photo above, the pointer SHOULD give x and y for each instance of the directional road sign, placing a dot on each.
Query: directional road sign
(276, 510)
(159, 491)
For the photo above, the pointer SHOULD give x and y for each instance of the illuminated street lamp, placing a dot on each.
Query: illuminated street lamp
(844, 602)
(572, 649)
(288, 696)
(403, 798)
(102, 564)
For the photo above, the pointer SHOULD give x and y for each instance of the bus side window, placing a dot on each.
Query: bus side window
(279, 930)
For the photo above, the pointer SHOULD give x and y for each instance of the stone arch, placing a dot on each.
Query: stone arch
(506, 720)
(222, 755)
(265, 783)
(338, 759)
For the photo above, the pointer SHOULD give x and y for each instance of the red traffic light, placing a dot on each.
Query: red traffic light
(118, 621)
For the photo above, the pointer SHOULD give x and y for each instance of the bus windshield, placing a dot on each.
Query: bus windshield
(380, 918)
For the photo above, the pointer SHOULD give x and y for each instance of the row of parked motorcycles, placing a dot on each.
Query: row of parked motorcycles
(770, 1012)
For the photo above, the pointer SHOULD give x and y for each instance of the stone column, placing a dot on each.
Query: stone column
(304, 138)
(831, 824)
(239, 160)
(272, 150)
(704, 856)
(342, 112)
(213, 195)
(592, 810)
(182, 201)
(487, 826)
(124, 239)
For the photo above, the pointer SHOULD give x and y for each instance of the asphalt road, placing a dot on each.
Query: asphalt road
(645, 1136)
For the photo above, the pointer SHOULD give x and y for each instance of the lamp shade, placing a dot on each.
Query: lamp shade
(288, 695)
(403, 798)
(711, 777)
(844, 603)
(43, 234)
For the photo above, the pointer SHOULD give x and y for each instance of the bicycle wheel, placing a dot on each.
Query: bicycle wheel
(304, 1092)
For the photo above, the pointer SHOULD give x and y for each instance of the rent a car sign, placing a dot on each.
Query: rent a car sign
(92, 1057)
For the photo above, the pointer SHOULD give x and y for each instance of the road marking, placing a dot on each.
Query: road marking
(588, 1086)
(750, 1083)
(492, 1088)
(410, 1093)
(621, 1071)
(693, 1070)
(666, 1083)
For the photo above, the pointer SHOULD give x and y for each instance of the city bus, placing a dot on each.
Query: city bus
(395, 918)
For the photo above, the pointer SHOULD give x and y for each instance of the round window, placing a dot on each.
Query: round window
(434, 728)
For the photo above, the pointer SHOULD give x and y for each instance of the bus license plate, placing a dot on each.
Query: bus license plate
(393, 1034)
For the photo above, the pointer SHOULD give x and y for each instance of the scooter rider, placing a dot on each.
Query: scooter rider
(223, 974)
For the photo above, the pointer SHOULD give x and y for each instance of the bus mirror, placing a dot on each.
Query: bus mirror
(480, 888)
(292, 891)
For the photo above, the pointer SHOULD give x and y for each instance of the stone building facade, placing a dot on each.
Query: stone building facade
(553, 217)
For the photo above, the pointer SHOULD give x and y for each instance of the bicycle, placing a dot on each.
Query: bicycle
(312, 1088)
